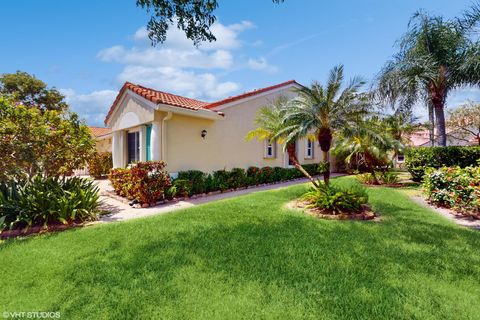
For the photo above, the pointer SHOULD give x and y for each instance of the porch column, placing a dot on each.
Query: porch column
(156, 141)
(117, 149)
(143, 143)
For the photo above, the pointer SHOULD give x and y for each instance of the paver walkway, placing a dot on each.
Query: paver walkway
(120, 211)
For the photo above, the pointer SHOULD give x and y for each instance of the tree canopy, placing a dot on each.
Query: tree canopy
(436, 56)
(26, 89)
(194, 17)
(33, 142)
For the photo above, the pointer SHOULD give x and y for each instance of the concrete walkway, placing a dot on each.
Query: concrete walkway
(449, 214)
(120, 211)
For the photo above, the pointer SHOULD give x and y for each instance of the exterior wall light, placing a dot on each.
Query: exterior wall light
(204, 133)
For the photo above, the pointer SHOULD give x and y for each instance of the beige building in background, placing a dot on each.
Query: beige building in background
(187, 134)
(103, 138)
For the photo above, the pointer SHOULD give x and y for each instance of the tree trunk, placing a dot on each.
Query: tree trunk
(440, 119)
(431, 125)
(292, 156)
(325, 138)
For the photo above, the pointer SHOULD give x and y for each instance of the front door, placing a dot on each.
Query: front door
(133, 141)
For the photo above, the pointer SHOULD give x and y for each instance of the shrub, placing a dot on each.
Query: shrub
(336, 200)
(253, 176)
(197, 180)
(265, 175)
(182, 188)
(100, 164)
(237, 178)
(456, 188)
(381, 177)
(145, 182)
(46, 200)
(418, 159)
(221, 180)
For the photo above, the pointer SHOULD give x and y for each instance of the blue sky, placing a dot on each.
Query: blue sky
(87, 49)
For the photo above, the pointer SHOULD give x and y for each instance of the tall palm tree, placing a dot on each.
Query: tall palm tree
(322, 110)
(436, 56)
(272, 127)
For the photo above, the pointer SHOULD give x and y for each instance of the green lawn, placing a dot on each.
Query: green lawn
(248, 258)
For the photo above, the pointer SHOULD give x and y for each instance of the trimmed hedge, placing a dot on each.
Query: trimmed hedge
(417, 160)
(193, 182)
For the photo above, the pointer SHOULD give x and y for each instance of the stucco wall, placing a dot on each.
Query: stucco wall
(130, 113)
(225, 145)
(104, 145)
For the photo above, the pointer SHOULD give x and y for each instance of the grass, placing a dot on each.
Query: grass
(249, 258)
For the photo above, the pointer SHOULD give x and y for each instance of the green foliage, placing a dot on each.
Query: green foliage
(379, 177)
(419, 159)
(335, 199)
(145, 182)
(100, 164)
(197, 180)
(454, 187)
(237, 178)
(46, 200)
(193, 17)
(183, 188)
(34, 142)
(25, 89)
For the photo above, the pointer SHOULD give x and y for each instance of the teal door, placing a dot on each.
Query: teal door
(149, 138)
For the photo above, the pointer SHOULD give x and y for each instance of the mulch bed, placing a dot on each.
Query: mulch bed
(365, 214)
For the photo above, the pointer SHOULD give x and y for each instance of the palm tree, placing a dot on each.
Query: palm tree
(322, 110)
(272, 127)
(436, 56)
(368, 145)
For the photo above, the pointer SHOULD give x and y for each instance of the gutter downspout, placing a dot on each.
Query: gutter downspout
(164, 135)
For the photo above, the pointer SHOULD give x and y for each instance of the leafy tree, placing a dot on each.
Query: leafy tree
(324, 110)
(194, 17)
(33, 142)
(465, 122)
(31, 92)
(271, 126)
(436, 56)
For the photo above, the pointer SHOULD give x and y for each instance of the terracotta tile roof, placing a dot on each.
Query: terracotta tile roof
(249, 94)
(157, 97)
(99, 131)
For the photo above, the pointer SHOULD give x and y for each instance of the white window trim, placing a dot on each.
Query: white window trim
(265, 149)
(311, 148)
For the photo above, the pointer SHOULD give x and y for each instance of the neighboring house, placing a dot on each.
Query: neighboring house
(421, 138)
(190, 134)
(103, 138)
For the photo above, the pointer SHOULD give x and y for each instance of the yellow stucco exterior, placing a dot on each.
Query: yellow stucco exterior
(182, 146)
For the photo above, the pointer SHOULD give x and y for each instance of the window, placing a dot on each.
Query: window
(269, 149)
(309, 149)
(133, 142)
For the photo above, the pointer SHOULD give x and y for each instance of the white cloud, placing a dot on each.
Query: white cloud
(261, 64)
(93, 106)
(189, 83)
(170, 57)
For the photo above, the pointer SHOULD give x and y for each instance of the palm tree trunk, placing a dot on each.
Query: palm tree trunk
(292, 156)
(325, 138)
(440, 119)
(326, 174)
(431, 125)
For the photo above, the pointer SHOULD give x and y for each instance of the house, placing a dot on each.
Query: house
(103, 138)
(188, 134)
